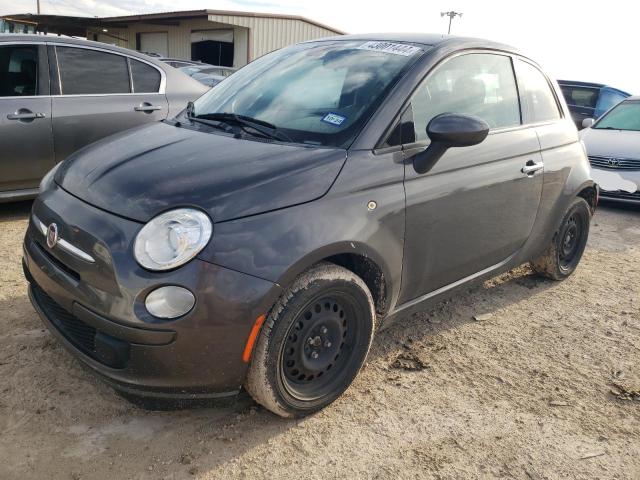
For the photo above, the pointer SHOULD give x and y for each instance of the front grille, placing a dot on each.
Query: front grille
(614, 163)
(80, 334)
(72, 273)
(621, 195)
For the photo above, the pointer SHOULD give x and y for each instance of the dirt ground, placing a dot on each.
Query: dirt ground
(539, 386)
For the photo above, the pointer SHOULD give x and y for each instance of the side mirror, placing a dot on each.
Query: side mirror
(588, 122)
(449, 130)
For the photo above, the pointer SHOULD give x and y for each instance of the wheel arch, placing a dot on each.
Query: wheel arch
(370, 272)
(590, 194)
(357, 258)
(585, 190)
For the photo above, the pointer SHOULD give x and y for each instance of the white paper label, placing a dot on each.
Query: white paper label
(389, 47)
(334, 119)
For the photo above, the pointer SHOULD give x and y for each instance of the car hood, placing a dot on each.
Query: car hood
(611, 143)
(141, 172)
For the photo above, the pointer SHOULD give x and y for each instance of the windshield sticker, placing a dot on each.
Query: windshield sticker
(388, 47)
(334, 119)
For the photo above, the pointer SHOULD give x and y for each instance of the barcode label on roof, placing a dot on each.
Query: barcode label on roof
(389, 47)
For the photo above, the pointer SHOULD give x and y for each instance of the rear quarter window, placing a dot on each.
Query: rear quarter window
(146, 79)
(538, 101)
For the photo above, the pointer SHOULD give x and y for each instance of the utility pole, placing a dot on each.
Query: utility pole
(38, 6)
(451, 16)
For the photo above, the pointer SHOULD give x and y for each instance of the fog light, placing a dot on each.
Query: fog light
(169, 302)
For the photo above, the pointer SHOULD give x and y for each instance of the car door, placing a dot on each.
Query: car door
(98, 93)
(26, 144)
(476, 207)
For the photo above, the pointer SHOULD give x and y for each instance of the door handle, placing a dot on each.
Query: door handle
(531, 167)
(147, 108)
(21, 115)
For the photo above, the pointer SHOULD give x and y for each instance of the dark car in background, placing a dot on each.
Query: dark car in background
(59, 94)
(178, 62)
(589, 100)
(262, 236)
(208, 75)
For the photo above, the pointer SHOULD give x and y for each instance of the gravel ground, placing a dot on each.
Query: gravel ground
(543, 383)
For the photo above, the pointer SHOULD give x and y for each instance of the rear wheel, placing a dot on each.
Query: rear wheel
(313, 343)
(563, 255)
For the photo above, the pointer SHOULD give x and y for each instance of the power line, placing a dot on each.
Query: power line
(451, 16)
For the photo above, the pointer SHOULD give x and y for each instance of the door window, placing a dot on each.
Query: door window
(477, 84)
(86, 72)
(539, 103)
(18, 70)
(146, 79)
(580, 96)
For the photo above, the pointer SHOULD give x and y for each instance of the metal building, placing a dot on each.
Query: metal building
(213, 36)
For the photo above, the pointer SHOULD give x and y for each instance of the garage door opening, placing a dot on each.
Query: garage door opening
(213, 46)
(153, 42)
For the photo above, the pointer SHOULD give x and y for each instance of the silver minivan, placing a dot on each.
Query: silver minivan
(58, 94)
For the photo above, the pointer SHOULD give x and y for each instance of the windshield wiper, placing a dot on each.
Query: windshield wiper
(215, 124)
(209, 122)
(265, 128)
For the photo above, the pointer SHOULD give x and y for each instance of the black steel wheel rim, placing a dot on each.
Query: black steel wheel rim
(319, 346)
(570, 241)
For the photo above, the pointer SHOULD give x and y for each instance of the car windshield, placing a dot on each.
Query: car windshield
(317, 93)
(626, 116)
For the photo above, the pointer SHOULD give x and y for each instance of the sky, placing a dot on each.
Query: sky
(586, 40)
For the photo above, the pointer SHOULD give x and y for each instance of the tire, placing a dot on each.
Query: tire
(563, 255)
(313, 343)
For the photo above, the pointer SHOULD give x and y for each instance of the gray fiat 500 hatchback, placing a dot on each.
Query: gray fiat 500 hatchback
(262, 236)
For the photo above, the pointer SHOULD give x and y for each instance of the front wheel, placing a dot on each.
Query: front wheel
(563, 255)
(313, 343)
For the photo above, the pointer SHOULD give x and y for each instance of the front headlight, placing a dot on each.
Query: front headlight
(172, 239)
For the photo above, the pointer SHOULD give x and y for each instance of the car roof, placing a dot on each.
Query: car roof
(431, 39)
(581, 84)
(449, 42)
(577, 83)
(21, 37)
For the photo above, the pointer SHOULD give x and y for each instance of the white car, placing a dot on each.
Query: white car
(613, 147)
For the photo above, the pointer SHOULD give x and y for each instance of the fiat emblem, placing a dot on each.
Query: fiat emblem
(52, 235)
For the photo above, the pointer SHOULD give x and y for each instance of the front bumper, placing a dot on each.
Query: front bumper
(618, 185)
(97, 311)
(621, 196)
